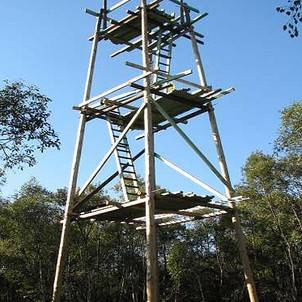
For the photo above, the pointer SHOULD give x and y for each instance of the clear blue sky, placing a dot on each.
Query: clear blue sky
(45, 43)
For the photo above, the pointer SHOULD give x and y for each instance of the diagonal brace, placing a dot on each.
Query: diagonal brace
(192, 178)
(192, 145)
(111, 150)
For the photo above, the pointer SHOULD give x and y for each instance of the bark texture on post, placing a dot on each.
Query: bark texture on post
(248, 274)
(57, 287)
(151, 250)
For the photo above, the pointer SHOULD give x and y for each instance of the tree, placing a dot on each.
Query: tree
(293, 10)
(24, 125)
(273, 215)
(290, 132)
(28, 241)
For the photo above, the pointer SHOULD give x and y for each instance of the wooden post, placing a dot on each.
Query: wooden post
(151, 250)
(57, 287)
(248, 274)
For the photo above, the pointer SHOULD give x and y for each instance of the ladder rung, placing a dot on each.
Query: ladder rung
(125, 157)
(128, 164)
(116, 129)
(165, 56)
(129, 172)
(122, 150)
(116, 122)
(134, 194)
(160, 63)
(128, 178)
(131, 186)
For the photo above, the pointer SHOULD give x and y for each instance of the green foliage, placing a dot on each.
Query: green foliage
(29, 235)
(293, 10)
(273, 214)
(197, 262)
(290, 137)
(24, 125)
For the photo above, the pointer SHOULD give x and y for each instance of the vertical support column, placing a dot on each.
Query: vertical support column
(151, 250)
(104, 14)
(248, 274)
(57, 287)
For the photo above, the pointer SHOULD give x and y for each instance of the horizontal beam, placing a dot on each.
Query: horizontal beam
(111, 208)
(136, 66)
(171, 97)
(108, 102)
(181, 120)
(175, 222)
(119, 87)
(91, 12)
(117, 5)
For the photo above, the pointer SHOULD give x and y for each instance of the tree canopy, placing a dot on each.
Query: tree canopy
(24, 125)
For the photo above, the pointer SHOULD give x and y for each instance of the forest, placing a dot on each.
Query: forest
(197, 262)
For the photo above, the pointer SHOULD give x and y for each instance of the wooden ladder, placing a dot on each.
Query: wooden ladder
(163, 56)
(124, 160)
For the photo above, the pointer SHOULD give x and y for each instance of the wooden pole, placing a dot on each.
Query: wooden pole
(57, 287)
(151, 250)
(248, 274)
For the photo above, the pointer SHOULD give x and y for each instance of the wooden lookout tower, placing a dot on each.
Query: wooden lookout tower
(151, 102)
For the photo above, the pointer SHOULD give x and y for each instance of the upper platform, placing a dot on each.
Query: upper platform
(125, 30)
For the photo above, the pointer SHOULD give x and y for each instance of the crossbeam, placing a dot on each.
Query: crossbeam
(137, 66)
(175, 222)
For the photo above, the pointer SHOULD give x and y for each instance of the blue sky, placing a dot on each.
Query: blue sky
(45, 43)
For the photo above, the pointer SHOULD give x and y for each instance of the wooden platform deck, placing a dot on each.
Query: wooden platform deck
(165, 203)
(176, 103)
(129, 28)
(181, 105)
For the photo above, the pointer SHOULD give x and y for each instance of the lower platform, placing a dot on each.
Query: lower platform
(165, 203)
